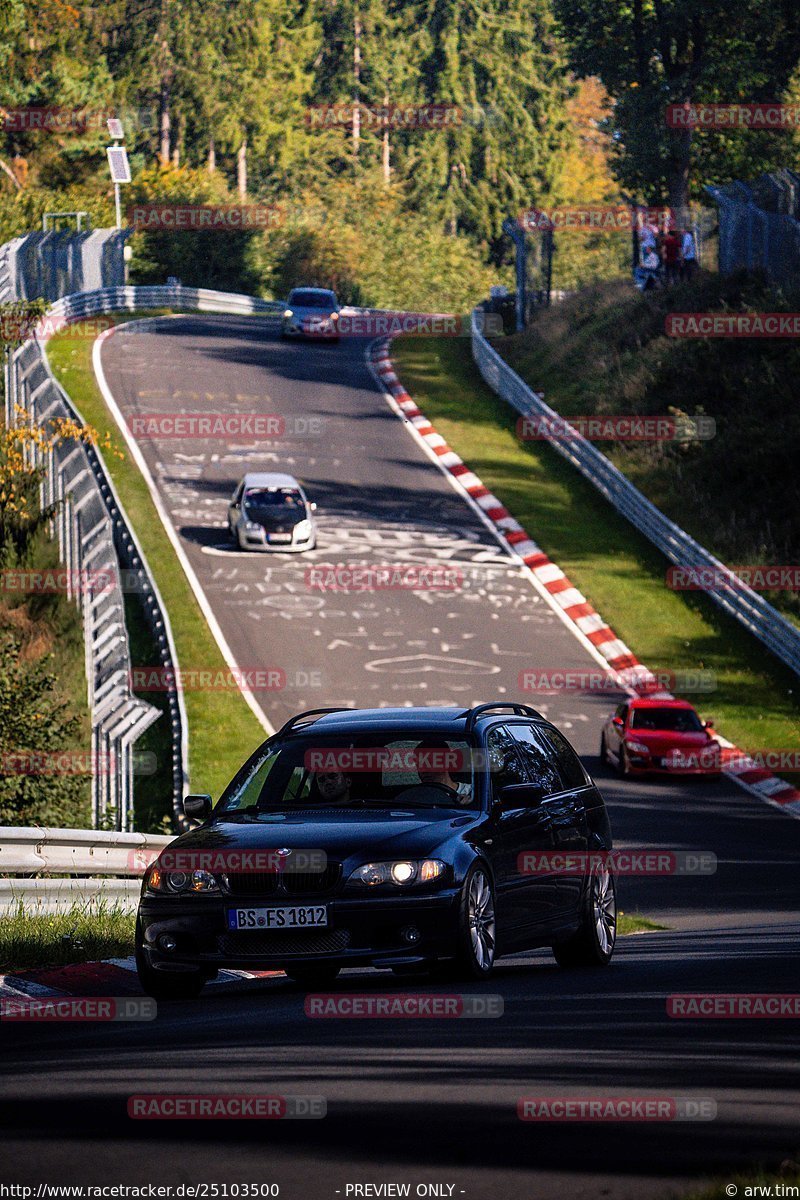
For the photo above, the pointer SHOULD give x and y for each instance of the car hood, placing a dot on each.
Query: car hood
(339, 833)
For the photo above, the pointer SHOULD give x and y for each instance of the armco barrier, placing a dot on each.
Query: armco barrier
(96, 538)
(90, 528)
(108, 867)
(740, 602)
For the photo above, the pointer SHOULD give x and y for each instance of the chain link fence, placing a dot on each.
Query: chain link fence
(759, 225)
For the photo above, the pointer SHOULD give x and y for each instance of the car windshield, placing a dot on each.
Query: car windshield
(273, 498)
(672, 720)
(370, 770)
(307, 299)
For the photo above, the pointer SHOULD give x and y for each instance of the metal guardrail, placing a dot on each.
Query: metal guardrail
(96, 540)
(108, 865)
(739, 601)
(89, 530)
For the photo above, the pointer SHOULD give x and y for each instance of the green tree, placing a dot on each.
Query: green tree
(502, 66)
(652, 53)
(34, 723)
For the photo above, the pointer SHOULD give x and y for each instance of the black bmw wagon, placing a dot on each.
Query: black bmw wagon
(406, 839)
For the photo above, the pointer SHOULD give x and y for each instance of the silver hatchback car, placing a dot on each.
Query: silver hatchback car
(311, 313)
(270, 511)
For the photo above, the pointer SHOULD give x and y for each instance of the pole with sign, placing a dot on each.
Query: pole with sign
(118, 163)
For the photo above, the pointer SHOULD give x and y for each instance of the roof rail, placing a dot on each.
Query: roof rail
(520, 710)
(311, 712)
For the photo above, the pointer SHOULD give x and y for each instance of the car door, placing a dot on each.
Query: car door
(567, 807)
(560, 809)
(524, 899)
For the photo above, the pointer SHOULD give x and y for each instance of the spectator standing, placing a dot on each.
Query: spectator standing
(688, 255)
(672, 256)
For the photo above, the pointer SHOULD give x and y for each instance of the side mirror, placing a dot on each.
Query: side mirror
(618, 722)
(709, 724)
(520, 795)
(197, 807)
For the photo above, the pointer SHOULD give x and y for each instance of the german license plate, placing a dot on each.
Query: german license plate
(295, 916)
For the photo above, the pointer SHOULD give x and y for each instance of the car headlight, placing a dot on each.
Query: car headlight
(637, 747)
(179, 883)
(302, 531)
(288, 313)
(403, 873)
(252, 527)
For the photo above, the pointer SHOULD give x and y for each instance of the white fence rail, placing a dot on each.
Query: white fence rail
(92, 865)
(740, 602)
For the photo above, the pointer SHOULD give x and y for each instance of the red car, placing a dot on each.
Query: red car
(659, 737)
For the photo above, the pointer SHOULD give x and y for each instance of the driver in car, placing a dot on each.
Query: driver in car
(334, 787)
(438, 774)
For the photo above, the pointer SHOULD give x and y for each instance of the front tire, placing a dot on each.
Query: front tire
(477, 931)
(593, 944)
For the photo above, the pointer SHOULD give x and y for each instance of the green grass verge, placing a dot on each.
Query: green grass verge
(636, 923)
(83, 933)
(756, 702)
(222, 729)
(604, 351)
(87, 932)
